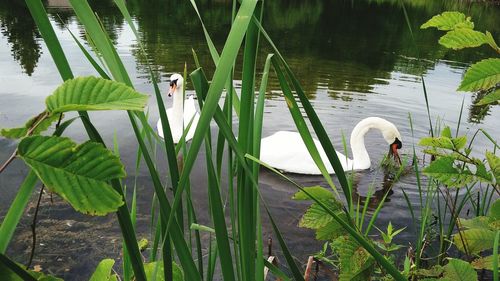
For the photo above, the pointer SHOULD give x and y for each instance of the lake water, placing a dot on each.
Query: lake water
(354, 59)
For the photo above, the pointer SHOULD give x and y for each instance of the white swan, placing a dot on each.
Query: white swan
(181, 112)
(286, 150)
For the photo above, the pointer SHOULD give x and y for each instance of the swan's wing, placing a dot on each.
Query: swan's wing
(286, 151)
(159, 125)
(190, 113)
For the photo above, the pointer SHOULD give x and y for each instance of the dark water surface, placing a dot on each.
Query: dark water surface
(354, 59)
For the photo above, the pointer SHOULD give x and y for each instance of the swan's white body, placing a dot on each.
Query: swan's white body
(181, 113)
(286, 150)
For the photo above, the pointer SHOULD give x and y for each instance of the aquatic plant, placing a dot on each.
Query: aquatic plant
(483, 76)
(238, 249)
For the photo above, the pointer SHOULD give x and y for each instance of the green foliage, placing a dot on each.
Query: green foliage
(480, 231)
(449, 21)
(37, 125)
(78, 173)
(315, 191)
(462, 38)
(481, 76)
(154, 271)
(355, 262)
(475, 240)
(455, 269)
(316, 217)
(483, 263)
(459, 270)
(491, 97)
(454, 166)
(387, 237)
(7, 273)
(92, 93)
(104, 272)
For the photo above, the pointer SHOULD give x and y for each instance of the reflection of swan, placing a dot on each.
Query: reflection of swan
(181, 112)
(286, 150)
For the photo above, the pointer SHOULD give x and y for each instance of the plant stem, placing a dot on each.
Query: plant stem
(33, 227)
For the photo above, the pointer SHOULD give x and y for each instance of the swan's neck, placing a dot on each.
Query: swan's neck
(177, 112)
(360, 157)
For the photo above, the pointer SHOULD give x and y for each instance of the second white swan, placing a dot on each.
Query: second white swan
(286, 150)
(181, 112)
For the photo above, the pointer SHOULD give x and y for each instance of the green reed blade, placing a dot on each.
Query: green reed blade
(87, 55)
(301, 124)
(15, 268)
(215, 58)
(276, 271)
(246, 195)
(314, 120)
(200, 85)
(183, 251)
(495, 256)
(363, 241)
(257, 135)
(100, 38)
(16, 210)
(286, 252)
(224, 66)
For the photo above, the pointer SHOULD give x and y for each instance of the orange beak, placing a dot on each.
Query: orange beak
(394, 152)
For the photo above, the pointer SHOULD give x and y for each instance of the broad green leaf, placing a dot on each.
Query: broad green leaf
(104, 272)
(154, 267)
(92, 93)
(434, 271)
(446, 132)
(454, 155)
(443, 170)
(459, 142)
(477, 222)
(316, 216)
(483, 175)
(490, 98)
(491, 41)
(8, 275)
(449, 21)
(459, 270)
(441, 142)
(483, 263)
(330, 231)
(78, 173)
(476, 240)
(463, 38)
(481, 75)
(494, 162)
(42, 125)
(355, 262)
(318, 192)
(494, 211)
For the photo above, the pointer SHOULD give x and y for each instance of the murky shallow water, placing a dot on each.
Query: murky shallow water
(353, 59)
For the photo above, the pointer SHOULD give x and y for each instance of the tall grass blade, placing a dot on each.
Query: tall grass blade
(12, 266)
(364, 242)
(301, 124)
(315, 122)
(222, 71)
(200, 84)
(495, 256)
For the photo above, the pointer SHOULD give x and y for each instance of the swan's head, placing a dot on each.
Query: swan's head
(176, 81)
(393, 138)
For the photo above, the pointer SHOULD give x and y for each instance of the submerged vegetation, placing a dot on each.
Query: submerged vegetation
(89, 176)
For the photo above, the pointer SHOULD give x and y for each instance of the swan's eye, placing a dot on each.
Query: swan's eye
(173, 82)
